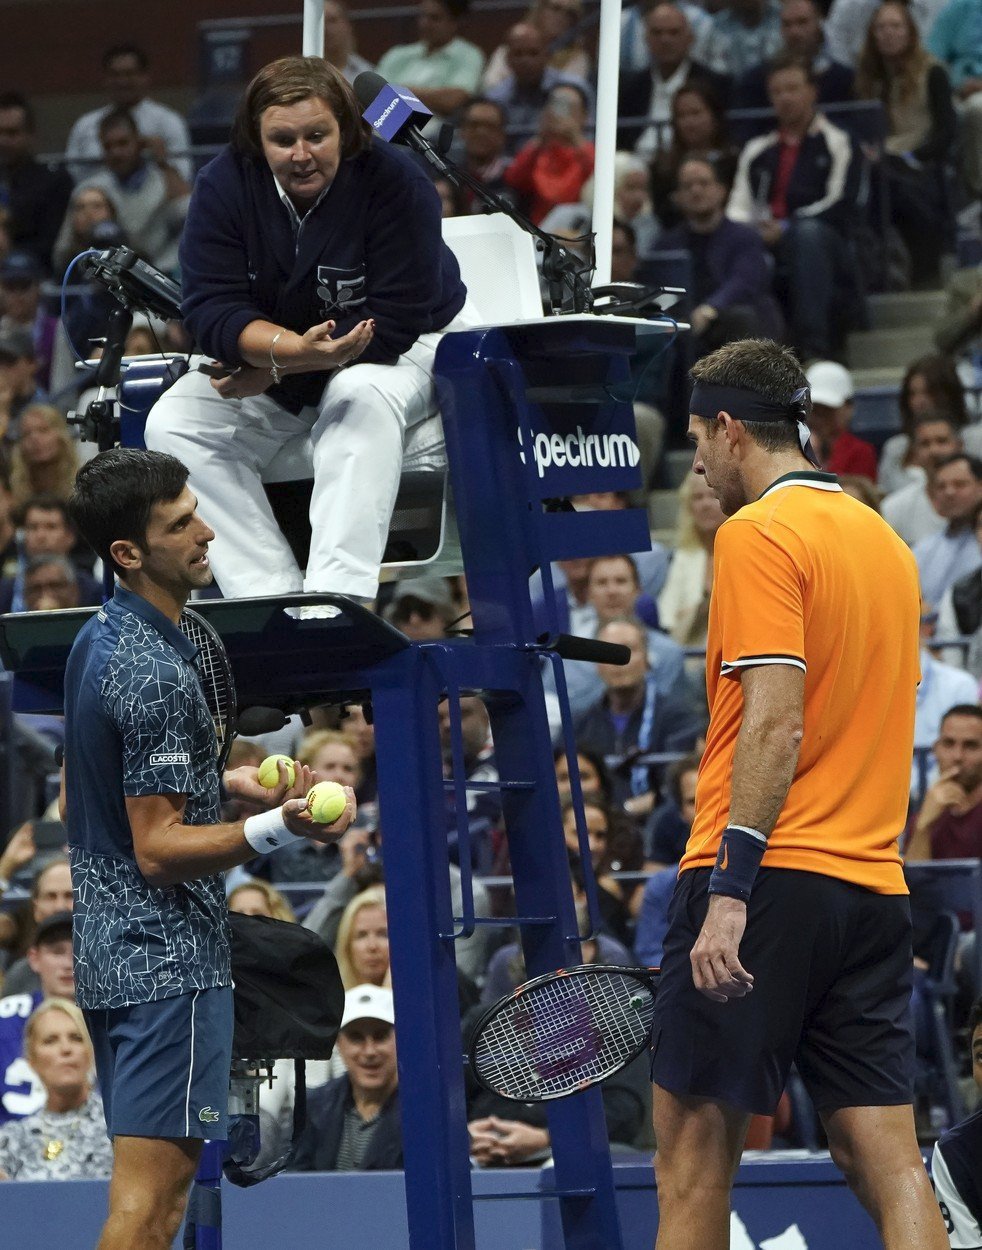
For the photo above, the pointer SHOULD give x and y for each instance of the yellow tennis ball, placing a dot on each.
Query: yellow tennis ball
(269, 775)
(326, 802)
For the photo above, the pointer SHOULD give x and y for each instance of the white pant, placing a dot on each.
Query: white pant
(357, 436)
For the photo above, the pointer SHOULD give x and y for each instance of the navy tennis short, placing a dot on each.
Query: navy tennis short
(832, 967)
(164, 1067)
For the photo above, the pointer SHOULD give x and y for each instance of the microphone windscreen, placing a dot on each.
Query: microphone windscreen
(366, 86)
(260, 720)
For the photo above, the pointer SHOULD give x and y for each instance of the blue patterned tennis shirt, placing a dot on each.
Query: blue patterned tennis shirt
(136, 723)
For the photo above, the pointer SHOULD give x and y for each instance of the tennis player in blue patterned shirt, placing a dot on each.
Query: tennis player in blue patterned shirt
(141, 795)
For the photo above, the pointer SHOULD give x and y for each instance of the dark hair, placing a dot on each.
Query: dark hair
(943, 384)
(599, 765)
(973, 462)
(974, 1018)
(625, 852)
(45, 503)
(963, 709)
(456, 8)
(570, 85)
(763, 366)
(116, 118)
(687, 764)
(47, 559)
(116, 492)
(618, 556)
(39, 872)
(14, 100)
(498, 107)
(291, 80)
(936, 418)
(125, 49)
(790, 60)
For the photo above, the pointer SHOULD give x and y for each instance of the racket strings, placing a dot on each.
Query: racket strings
(214, 675)
(564, 1034)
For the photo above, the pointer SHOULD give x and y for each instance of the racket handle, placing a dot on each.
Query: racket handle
(570, 647)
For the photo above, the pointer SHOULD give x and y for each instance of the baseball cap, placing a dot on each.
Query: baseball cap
(431, 590)
(368, 1002)
(17, 344)
(20, 267)
(831, 383)
(53, 927)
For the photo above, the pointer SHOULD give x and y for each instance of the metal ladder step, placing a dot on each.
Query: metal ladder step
(489, 787)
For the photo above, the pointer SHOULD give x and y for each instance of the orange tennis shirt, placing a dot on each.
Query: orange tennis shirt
(807, 575)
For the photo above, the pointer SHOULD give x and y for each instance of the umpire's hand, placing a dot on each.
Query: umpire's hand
(716, 968)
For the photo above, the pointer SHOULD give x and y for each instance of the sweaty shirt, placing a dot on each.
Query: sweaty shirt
(808, 576)
(136, 723)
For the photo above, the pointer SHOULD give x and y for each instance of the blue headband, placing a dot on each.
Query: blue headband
(709, 400)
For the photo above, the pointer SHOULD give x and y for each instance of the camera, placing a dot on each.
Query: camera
(135, 284)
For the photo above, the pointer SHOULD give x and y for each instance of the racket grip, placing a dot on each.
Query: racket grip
(570, 647)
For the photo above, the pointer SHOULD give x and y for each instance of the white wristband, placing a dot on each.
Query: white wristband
(267, 832)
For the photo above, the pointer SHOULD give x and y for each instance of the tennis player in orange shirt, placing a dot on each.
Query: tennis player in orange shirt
(789, 934)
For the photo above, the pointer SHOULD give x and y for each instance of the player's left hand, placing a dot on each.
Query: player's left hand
(243, 783)
(716, 968)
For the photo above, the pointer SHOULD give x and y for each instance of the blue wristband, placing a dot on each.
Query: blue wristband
(735, 870)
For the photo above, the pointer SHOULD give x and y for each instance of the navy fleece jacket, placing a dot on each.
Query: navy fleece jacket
(371, 248)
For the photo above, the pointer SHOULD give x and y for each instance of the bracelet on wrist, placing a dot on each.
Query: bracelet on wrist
(740, 851)
(266, 832)
(276, 367)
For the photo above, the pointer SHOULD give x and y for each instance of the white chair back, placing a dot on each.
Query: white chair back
(497, 263)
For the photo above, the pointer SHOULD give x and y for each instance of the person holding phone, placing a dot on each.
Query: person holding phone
(552, 168)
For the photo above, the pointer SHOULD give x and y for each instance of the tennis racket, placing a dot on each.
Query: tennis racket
(563, 1032)
(217, 682)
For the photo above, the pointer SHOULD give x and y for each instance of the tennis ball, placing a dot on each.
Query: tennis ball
(326, 802)
(269, 775)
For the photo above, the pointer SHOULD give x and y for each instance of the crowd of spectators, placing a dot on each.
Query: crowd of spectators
(745, 147)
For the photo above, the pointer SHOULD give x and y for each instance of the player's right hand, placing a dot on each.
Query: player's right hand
(299, 821)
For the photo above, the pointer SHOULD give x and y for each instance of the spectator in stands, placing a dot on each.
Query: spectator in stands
(258, 898)
(8, 530)
(44, 459)
(422, 608)
(802, 36)
(895, 68)
(89, 208)
(623, 253)
(796, 186)
(20, 302)
(743, 34)
(910, 509)
(930, 387)
(50, 584)
(862, 489)
(960, 613)
(552, 168)
(839, 450)
(698, 130)
(949, 822)
(46, 530)
(955, 1159)
(571, 580)
(353, 1122)
(731, 281)
(960, 329)
(632, 715)
(683, 605)
(381, 273)
(847, 24)
(524, 92)
(594, 778)
(956, 493)
(34, 195)
(51, 894)
(942, 686)
(648, 93)
(362, 944)
(482, 134)
(442, 69)
(19, 385)
(956, 40)
(339, 41)
(50, 960)
(126, 78)
(615, 846)
(666, 835)
(149, 192)
(483, 813)
(66, 1140)
(333, 756)
(632, 202)
(555, 20)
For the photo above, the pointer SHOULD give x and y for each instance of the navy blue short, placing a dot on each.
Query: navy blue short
(163, 1067)
(832, 966)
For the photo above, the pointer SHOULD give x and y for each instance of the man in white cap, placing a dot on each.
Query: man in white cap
(353, 1121)
(839, 449)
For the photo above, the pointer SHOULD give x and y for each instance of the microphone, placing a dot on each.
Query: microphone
(253, 721)
(396, 115)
